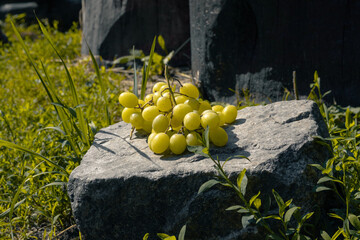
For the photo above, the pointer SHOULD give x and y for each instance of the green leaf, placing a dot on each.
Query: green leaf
(354, 220)
(198, 150)
(146, 236)
(306, 217)
(278, 199)
(162, 235)
(232, 208)
(161, 42)
(325, 235)
(182, 233)
(205, 186)
(275, 237)
(289, 213)
(247, 220)
(257, 203)
(322, 188)
(253, 198)
(242, 181)
(334, 215)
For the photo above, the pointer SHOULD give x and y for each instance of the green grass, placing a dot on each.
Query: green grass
(50, 108)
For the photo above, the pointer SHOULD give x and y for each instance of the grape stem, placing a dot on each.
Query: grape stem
(168, 82)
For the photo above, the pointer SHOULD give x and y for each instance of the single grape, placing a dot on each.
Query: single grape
(149, 113)
(230, 113)
(180, 110)
(181, 99)
(189, 90)
(192, 121)
(217, 108)
(157, 86)
(222, 119)
(137, 120)
(208, 111)
(218, 136)
(204, 105)
(177, 143)
(193, 103)
(148, 97)
(151, 136)
(160, 143)
(210, 119)
(128, 99)
(126, 113)
(156, 96)
(164, 104)
(175, 123)
(160, 123)
(192, 139)
(147, 126)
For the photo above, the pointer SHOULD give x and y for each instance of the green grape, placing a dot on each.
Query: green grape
(160, 123)
(160, 143)
(164, 104)
(175, 123)
(151, 136)
(147, 126)
(218, 136)
(128, 99)
(192, 121)
(126, 113)
(164, 89)
(208, 111)
(157, 86)
(149, 113)
(180, 110)
(137, 120)
(204, 105)
(193, 103)
(156, 96)
(181, 99)
(177, 143)
(230, 113)
(148, 97)
(222, 119)
(189, 90)
(192, 139)
(210, 119)
(217, 108)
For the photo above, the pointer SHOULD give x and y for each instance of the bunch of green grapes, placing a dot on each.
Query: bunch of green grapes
(175, 119)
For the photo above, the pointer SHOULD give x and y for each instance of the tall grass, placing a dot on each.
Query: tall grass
(48, 128)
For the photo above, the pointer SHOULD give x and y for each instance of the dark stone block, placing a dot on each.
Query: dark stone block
(232, 39)
(113, 27)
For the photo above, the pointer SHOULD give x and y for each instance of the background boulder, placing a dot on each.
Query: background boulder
(258, 44)
(113, 27)
(122, 190)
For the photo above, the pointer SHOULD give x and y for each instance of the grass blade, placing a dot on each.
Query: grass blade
(136, 92)
(81, 119)
(102, 84)
(146, 70)
(34, 154)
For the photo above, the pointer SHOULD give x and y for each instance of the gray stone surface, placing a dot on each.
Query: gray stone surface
(113, 27)
(237, 37)
(122, 190)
